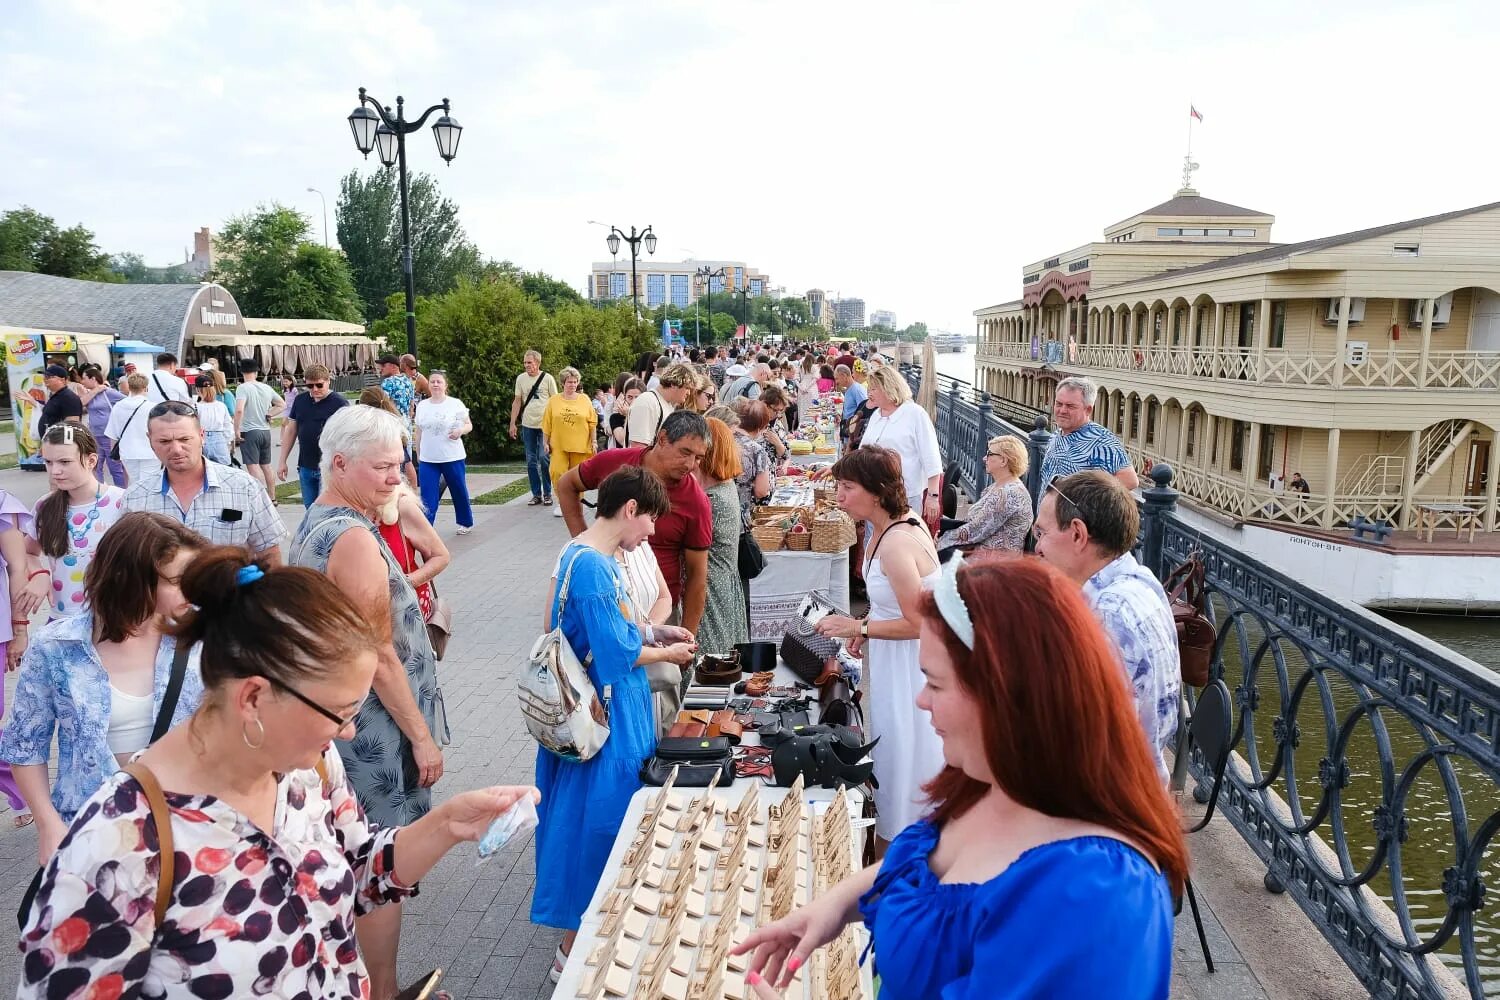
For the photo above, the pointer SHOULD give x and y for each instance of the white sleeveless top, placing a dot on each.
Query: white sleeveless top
(130, 721)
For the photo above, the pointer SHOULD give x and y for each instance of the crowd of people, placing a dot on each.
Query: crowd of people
(175, 611)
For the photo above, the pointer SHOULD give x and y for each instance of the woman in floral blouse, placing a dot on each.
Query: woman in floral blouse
(999, 519)
(278, 860)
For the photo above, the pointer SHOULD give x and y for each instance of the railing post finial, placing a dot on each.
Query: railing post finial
(1158, 501)
(1036, 446)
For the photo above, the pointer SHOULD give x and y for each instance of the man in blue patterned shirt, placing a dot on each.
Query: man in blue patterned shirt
(1080, 443)
(1086, 527)
(403, 393)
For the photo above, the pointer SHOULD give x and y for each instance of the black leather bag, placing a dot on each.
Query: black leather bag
(696, 760)
(752, 559)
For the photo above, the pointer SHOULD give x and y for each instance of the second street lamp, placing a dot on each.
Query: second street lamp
(635, 239)
(375, 129)
(708, 274)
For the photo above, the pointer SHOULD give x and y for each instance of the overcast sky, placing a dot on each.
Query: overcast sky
(912, 154)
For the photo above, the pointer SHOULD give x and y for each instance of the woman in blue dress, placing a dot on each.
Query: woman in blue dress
(1048, 863)
(583, 803)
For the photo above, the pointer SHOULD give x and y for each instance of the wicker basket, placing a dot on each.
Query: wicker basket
(832, 531)
(768, 536)
(799, 541)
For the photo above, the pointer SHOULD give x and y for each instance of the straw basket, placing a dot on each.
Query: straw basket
(799, 541)
(768, 536)
(832, 531)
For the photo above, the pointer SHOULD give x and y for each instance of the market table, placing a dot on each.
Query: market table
(791, 575)
(816, 801)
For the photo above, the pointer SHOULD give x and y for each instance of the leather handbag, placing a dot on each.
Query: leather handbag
(1196, 635)
(807, 653)
(752, 561)
(697, 761)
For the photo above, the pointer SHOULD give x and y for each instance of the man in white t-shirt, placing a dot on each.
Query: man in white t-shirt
(163, 384)
(127, 425)
(651, 409)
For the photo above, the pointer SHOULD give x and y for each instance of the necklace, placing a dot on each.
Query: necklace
(88, 520)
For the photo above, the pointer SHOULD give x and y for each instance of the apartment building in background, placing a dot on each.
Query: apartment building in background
(884, 318)
(671, 282)
(849, 314)
(820, 309)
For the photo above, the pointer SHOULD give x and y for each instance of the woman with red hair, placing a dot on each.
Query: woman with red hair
(1050, 859)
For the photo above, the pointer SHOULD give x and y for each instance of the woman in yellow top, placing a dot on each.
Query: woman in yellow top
(568, 425)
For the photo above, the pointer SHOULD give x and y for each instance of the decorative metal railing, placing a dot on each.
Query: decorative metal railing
(1390, 368)
(1366, 774)
(967, 418)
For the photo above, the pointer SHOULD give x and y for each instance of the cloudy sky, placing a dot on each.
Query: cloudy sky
(913, 154)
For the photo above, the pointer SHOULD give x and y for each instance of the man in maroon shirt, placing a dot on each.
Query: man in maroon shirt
(684, 536)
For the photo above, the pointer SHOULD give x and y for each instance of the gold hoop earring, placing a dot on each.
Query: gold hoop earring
(258, 725)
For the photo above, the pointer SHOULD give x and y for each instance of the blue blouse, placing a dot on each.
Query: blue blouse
(63, 688)
(1086, 917)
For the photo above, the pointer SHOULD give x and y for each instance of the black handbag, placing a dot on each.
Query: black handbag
(696, 760)
(752, 559)
(802, 649)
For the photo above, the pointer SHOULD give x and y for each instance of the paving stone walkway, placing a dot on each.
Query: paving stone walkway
(472, 920)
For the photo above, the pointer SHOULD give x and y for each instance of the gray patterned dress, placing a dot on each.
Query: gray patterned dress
(379, 759)
(724, 622)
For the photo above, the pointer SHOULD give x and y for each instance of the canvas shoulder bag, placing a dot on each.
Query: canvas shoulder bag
(563, 711)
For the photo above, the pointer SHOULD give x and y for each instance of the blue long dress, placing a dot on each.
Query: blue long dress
(1087, 917)
(583, 804)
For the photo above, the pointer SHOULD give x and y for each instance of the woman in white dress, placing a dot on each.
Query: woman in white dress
(900, 564)
(904, 427)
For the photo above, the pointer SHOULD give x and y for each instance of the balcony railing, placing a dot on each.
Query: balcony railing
(1390, 368)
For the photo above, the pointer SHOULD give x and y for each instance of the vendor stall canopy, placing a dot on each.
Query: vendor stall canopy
(179, 317)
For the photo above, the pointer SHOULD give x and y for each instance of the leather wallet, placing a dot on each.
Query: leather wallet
(726, 725)
(688, 730)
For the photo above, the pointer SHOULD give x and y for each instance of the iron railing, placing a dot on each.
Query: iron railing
(967, 418)
(1366, 774)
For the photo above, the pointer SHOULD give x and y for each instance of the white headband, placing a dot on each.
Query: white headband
(951, 603)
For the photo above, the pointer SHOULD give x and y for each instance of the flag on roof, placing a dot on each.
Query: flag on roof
(1194, 112)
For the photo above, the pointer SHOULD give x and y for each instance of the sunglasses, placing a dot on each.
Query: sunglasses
(342, 723)
(173, 406)
(316, 385)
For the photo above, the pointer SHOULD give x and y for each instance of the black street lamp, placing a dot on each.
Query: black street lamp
(635, 240)
(745, 306)
(377, 130)
(708, 274)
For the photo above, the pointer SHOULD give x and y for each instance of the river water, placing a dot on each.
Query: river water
(1429, 847)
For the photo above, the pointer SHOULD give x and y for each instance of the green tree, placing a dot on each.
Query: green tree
(915, 332)
(31, 241)
(479, 331)
(272, 268)
(368, 217)
(552, 293)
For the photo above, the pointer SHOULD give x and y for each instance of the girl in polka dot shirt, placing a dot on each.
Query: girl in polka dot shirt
(70, 520)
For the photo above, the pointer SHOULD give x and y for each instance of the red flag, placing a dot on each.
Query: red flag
(1195, 113)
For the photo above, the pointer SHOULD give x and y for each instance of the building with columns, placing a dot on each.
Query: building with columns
(1367, 362)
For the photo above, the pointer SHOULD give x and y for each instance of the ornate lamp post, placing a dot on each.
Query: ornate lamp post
(376, 129)
(635, 240)
(708, 274)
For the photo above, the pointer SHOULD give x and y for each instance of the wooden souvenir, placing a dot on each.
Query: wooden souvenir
(605, 948)
(645, 899)
(636, 924)
(748, 808)
(663, 798)
(667, 930)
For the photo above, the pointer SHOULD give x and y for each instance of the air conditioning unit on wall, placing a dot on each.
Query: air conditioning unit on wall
(1356, 310)
(1442, 311)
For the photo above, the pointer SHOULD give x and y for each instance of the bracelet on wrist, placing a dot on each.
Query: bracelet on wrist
(20, 622)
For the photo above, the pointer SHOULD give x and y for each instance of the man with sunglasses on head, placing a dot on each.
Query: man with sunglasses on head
(1086, 527)
(223, 504)
(1080, 443)
(304, 423)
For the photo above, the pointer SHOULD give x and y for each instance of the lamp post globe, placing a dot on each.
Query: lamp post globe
(613, 242)
(362, 122)
(447, 131)
(650, 241)
(386, 144)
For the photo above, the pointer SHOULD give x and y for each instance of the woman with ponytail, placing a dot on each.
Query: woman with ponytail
(274, 855)
(69, 521)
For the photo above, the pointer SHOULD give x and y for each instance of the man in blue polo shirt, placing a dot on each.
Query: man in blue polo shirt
(304, 422)
(854, 396)
(1079, 443)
